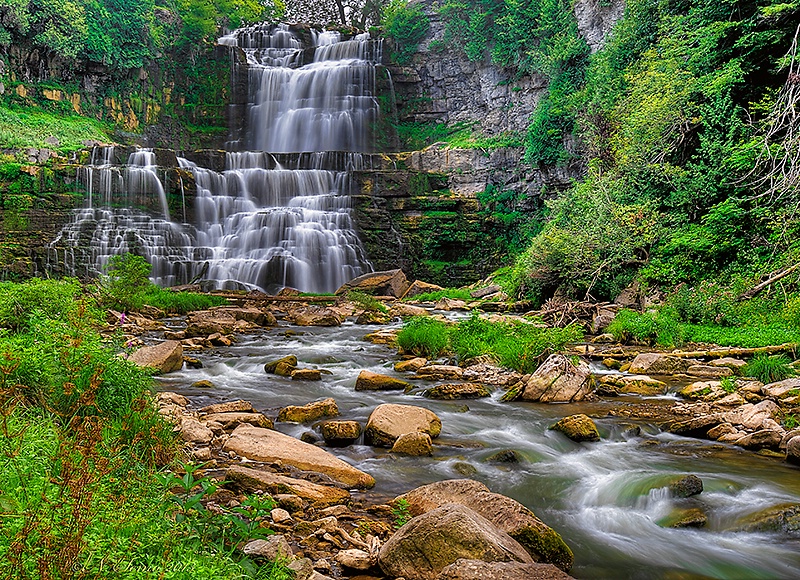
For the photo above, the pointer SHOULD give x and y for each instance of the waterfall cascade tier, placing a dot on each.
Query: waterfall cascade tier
(261, 222)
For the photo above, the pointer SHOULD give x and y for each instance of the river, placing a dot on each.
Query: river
(603, 498)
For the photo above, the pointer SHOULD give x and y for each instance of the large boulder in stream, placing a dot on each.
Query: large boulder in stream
(558, 380)
(369, 381)
(388, 422)
(542, 542)
(423, 547)
(310, 412)
(267, 445)
(164, 358)
(578, 428)
(387, 283)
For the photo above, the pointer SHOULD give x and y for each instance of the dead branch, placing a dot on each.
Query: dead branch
(768, 282)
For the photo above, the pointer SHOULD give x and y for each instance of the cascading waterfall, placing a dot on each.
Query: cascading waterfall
(258, 223)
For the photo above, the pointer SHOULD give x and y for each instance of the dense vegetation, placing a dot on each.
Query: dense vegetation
(83, 491)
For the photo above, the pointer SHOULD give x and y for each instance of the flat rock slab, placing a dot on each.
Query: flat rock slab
(274, 483)
(267, 445)
(479, 570)
(165, 357)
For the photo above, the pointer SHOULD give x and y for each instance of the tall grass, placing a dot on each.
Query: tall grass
(30, 128)
(769, 369)
(452, 293)
(515, 345)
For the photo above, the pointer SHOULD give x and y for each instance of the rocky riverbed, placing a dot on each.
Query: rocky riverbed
(314, 415)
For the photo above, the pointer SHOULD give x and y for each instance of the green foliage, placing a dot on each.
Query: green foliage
(29, 128)
(23, 306)
(424, 336)
(516, 345)
(508, 223)
(406, 25)
(653, 327)
(728, 384)
(367, 302)
(127, 286)
(791, 421)
(769, 369)
(435, 296)
(401, 512)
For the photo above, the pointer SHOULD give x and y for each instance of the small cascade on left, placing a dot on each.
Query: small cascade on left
(126, 211)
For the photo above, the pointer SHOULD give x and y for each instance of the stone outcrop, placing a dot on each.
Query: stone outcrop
(388, 422)
(417, 444)
(418, 287)
(369, 381)
(541, 541)
(430, 542)
(453, 391)
(165, 357)
(440, 372)
(596, 19)
(258, 480)
(558, 380)
(463, 569)
(387, 283)
(655, 363)
(620, 384)
(309, 412)
(267, 445)
(578, 428)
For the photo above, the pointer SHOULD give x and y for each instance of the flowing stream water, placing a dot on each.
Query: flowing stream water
(604, 498)
(259, 223)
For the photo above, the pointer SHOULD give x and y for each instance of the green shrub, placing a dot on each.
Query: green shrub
(406, 25)
(22, 303)
(424, 336)
(435, 296)
(367, 302)
(728, 384)
(653, 327)
(769, 369)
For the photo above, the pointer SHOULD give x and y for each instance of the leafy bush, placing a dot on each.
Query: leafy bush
(436, 295)
(406, 25)
(653, 327)
(367, 302)
(769, 369)
(424, 336)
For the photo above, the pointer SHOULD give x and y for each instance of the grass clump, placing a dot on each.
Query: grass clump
(424, 336)
(366, 302)
(127, 286)
(451, 293)
(515, 345)
(769, 369)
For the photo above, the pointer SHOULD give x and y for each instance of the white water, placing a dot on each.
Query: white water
(604, 498)
(257, 224)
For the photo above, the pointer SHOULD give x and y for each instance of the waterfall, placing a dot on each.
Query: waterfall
(259, 223)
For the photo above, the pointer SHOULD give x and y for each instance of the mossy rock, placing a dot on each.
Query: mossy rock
(272, 367)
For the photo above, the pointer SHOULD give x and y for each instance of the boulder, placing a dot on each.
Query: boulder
(168, 397)
(165, 357)
(453, 391)
(753, 416)
(734, 364)
(412, 365)
(762, 439)
(309, 412)
(697, 426)
(542, 542)
(233, 420)
(656, 363)
(275, 547)
(703, 390)
(203, 384)
(281, 516)
(578, 428)
(602, 319)
(782, 389)
(306, 375)
(686, 486)
(684, 518)
(370, 317)
(387, 283)
(315, 316)
(505, 456)
(783, 518)
(419, 287)
(407, 311)
(251, 480)
(268, 445)
(272, 366)
(489, 374)
(793, 450)
(369, 381)
(340, 433)
(709, 371)
(229, 407)
(387, 337)
(479, 570)
(479, 293)
(207, 322)
(448, 304)
(193, 431)
(558, 380)
(430, 542)
(417, 444)
(388, 421)
(440, 372)
(354, 559)
(619, 384)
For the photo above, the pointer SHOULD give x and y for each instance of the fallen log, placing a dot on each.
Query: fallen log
(768, 282)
